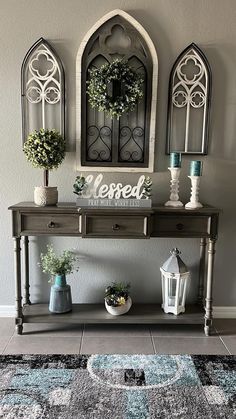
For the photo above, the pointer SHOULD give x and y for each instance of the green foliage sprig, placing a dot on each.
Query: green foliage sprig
(147, 188)
(131, 88)
(45, 149)
(58, 265)
(117, 294)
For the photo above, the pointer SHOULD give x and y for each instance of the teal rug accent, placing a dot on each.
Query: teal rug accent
(117, 387)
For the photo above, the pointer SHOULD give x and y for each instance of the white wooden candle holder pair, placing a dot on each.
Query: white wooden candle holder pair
(174, 190)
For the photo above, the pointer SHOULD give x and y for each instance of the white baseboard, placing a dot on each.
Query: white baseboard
(219, 312)
(227, 312)
(7, 311)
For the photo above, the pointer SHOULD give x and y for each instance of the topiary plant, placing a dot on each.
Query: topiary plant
(45, 149)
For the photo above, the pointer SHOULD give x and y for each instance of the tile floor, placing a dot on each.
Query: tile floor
(146, 339)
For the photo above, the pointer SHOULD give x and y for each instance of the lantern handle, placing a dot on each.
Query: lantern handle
(175, 252)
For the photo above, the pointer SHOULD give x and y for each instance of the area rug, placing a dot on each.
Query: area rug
(117, 387)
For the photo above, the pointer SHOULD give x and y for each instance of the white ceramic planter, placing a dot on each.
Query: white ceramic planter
(45, 195)
(117, 311)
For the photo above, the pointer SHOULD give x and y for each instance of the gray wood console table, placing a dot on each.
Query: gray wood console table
(66, 219)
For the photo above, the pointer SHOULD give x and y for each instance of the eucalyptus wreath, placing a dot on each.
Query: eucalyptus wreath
(130, 94)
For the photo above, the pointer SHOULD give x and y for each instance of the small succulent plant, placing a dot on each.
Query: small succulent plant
(80, 185)
(117, 294)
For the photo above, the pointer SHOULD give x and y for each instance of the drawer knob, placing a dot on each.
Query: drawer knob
(179, 226)
(51, 224)
(115, 227)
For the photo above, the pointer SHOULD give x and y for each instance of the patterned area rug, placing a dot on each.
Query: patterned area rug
(117, 387)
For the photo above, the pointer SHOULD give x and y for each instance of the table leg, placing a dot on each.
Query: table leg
(26, 261)
(17, 261)
(210, 267)
(202, 269)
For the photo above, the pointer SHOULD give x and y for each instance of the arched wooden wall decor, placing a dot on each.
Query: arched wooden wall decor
(189, 101)
(42, 89)
(126, 144)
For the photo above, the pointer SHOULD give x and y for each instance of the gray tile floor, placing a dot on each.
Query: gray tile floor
(73, 339)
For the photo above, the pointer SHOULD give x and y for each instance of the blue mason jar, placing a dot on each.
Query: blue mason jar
(60, 296)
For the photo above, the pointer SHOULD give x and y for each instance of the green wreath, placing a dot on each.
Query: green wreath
(130, 91)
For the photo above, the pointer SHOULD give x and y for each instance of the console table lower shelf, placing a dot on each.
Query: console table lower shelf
(96, 313)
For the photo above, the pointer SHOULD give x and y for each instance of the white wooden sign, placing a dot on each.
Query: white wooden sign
(95, 189)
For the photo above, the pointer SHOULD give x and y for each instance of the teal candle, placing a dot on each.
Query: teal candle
(195, 168)
(175, 159)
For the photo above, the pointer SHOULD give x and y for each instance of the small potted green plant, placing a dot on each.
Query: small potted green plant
(117, 298)
(58, 267)
(45, 149)
(80, 185)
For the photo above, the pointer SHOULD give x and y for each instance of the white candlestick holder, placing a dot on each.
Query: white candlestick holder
(194, 199)
(174, 188)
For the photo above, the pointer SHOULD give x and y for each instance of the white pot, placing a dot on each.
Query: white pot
(45, 195)
(117, 311)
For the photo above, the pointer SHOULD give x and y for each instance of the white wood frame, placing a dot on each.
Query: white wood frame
(152, 131)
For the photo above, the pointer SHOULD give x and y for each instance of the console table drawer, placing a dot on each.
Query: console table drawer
(52, 224)
(184, 225)
(115, 226)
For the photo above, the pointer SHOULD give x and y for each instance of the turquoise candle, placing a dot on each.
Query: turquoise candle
(175, 159)
(195, 168)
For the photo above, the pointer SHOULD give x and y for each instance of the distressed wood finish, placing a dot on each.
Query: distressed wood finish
(66, 219)
(96, 313)
(26, 267)
(209, 291)
(45, 223)
(182, 226)
(130, 226)
(202, 269)
(18, 292)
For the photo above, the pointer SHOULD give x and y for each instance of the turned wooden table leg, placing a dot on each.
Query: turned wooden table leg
(26, 263)
(17, 262)
(202, 269)
(208, 306)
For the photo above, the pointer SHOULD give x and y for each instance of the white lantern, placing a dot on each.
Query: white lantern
(174, 277)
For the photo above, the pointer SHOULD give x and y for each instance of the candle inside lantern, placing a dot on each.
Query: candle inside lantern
(175, 159)
(195, 168)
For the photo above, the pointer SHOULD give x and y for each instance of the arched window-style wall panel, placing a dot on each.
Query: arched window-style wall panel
(42, 89)
(127, 143)
(189, 101)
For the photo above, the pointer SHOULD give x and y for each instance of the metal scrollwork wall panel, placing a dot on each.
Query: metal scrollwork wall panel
(133, 130)
(126, 144)
(42, 90)
(189, 101)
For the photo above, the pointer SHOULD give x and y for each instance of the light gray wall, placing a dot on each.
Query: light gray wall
(172, 24)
